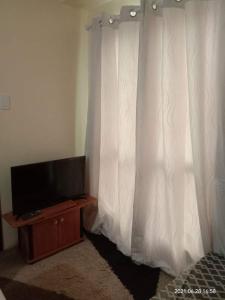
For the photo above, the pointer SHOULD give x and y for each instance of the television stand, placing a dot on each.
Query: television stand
(29, 215)
(53, 229)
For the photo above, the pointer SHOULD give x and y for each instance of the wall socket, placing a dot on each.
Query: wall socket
(5, 102)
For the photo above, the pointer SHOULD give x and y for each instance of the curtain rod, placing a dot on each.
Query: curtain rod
(134, 10)
(129, 12)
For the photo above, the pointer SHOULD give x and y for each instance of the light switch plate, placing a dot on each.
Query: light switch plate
(4, 102)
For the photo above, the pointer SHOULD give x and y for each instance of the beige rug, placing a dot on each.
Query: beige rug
(71, 282)
(78, 272)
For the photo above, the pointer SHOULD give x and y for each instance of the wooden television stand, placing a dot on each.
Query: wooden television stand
(55, 228)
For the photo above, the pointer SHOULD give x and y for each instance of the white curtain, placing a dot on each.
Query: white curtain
(111, 134)
(156, 134)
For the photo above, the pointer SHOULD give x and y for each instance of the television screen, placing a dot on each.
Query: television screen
(39, 185)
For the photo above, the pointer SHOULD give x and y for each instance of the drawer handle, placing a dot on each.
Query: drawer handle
(62, 220)
(55, 222)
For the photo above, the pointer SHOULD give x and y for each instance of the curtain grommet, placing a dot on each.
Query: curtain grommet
(154, 6)
(133, 13)
(111, 20)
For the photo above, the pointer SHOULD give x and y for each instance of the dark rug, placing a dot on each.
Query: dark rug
(140, 280)
(20, 291)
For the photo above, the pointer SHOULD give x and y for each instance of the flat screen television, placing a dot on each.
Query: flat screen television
(40, 185)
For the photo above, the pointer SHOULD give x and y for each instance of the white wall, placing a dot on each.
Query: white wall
(81, 88)
(113, 7)
(39, 59)
(44, 68)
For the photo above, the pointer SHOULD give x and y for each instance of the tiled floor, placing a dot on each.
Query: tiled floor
(205, 280)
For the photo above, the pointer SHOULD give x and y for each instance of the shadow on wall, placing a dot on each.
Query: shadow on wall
(1, 234)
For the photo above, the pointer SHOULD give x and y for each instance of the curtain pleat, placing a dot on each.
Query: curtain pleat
(155, 142)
